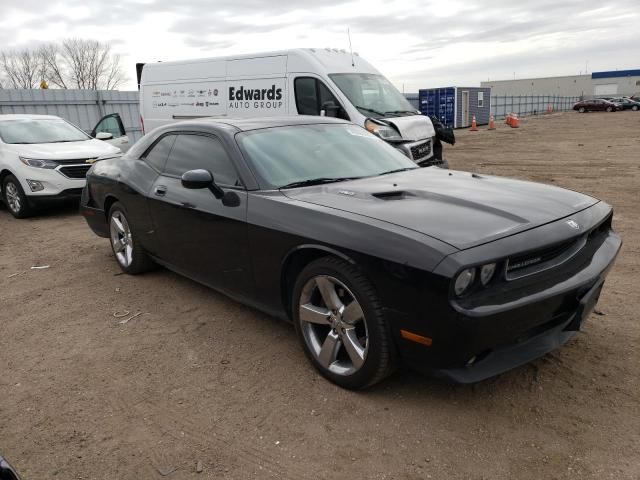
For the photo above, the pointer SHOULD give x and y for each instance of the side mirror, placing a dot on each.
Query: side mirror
(200, 178)
(104, 136)
(330, 109)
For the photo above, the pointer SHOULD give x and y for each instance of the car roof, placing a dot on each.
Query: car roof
(27, 116)
(255, 123)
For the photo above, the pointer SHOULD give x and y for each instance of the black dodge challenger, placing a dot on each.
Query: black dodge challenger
(373, 259)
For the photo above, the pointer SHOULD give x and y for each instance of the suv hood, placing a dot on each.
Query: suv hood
(459, 208)
(66, 151)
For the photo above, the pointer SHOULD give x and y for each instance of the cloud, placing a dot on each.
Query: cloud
(417, 42)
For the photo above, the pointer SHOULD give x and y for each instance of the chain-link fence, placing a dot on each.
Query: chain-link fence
(502, 105)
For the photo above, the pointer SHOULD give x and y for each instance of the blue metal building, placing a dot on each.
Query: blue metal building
(456, 106)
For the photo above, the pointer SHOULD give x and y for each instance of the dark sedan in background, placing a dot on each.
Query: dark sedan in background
(626, 103)
(596, 105)
(373, 259)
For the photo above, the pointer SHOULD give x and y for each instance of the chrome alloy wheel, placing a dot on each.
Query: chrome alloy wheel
(333, 325)
(121, 238)
(13, 197)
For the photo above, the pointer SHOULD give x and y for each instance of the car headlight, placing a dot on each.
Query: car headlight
(486, 273)
(39, 163)
(464, 280)
(384, 131)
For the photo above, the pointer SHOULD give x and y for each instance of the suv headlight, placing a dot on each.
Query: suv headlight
(384, 131)
(38, 162)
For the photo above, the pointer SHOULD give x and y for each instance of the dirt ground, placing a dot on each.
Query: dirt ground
(199, 380)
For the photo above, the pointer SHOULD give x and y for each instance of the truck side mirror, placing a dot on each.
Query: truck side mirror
(330, 109)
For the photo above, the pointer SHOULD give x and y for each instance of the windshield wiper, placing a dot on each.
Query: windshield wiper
(382, 114)
(414, 112)
(316, 181)
(399, 170)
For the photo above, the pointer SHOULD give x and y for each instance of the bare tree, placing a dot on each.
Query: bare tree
(22, 68)
(91, 64)
(75, 63)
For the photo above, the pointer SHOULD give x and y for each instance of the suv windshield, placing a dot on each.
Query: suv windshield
(320, 153)
(45, 130)
(373, 95)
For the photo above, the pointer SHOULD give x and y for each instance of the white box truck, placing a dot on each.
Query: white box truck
(306, 81)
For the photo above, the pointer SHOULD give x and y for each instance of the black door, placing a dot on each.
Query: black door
(199, 235)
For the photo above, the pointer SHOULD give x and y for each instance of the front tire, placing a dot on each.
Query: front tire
(609, 109)
(581, 110)
(14, 198)
(634, 108)
(126, 247)
(340, 323)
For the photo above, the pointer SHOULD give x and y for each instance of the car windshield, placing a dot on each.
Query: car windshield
(45, 130)
(320, 153)
(373, 95)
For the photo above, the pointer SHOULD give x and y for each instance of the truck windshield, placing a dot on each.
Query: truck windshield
(318, 153)
(45, 130)
(373, 95)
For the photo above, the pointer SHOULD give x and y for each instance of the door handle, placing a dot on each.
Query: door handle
(160, 190)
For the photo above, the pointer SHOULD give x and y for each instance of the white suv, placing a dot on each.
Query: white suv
(44, 158)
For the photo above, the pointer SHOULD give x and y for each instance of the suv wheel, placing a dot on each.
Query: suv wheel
(14, 197)
(340, 323)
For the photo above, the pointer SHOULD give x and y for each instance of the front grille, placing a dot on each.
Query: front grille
(533, 262)
(75, 171)
(75, 161)
(421, 150)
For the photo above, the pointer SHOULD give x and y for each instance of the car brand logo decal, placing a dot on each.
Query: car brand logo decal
(573, 224)
(91, 160)
(346, 192)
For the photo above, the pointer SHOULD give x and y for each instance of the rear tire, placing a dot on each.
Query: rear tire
(345, 337)
(14, 198)
(634, 108)
(609, 109)
(126, 247)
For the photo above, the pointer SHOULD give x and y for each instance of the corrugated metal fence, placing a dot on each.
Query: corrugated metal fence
(529, 104)
(83, 108)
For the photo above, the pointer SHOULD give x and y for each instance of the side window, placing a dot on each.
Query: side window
(110, 125)
(480, 99)
(157, 156)
(306, 96)
(191, 151)
(311, 95)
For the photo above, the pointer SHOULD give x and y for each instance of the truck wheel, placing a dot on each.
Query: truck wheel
(126, 247)
(340, 323)
(14, 198)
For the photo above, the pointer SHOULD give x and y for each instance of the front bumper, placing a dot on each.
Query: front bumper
(54, 182)
(476, 340)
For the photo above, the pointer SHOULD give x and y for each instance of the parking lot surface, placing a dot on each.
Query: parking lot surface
(199, 386)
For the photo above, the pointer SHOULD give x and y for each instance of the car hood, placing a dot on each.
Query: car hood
(459, 208)
(63, 151)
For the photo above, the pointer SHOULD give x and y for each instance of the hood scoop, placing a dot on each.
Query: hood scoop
(394, 195)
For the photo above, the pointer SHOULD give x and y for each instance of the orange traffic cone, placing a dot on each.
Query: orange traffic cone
(507, 120)
(492, 123)
(474, 125)
(515, 122)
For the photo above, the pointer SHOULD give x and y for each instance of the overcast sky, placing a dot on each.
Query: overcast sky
(416, 43)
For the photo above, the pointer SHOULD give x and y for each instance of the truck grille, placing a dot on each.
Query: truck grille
(422, 150)
(75, 171)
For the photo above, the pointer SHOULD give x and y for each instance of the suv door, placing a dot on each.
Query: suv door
(112, 124)
(200, 236)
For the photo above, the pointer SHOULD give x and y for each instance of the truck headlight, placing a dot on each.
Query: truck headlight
(384, 131)
(464, 280)
(39, 163)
